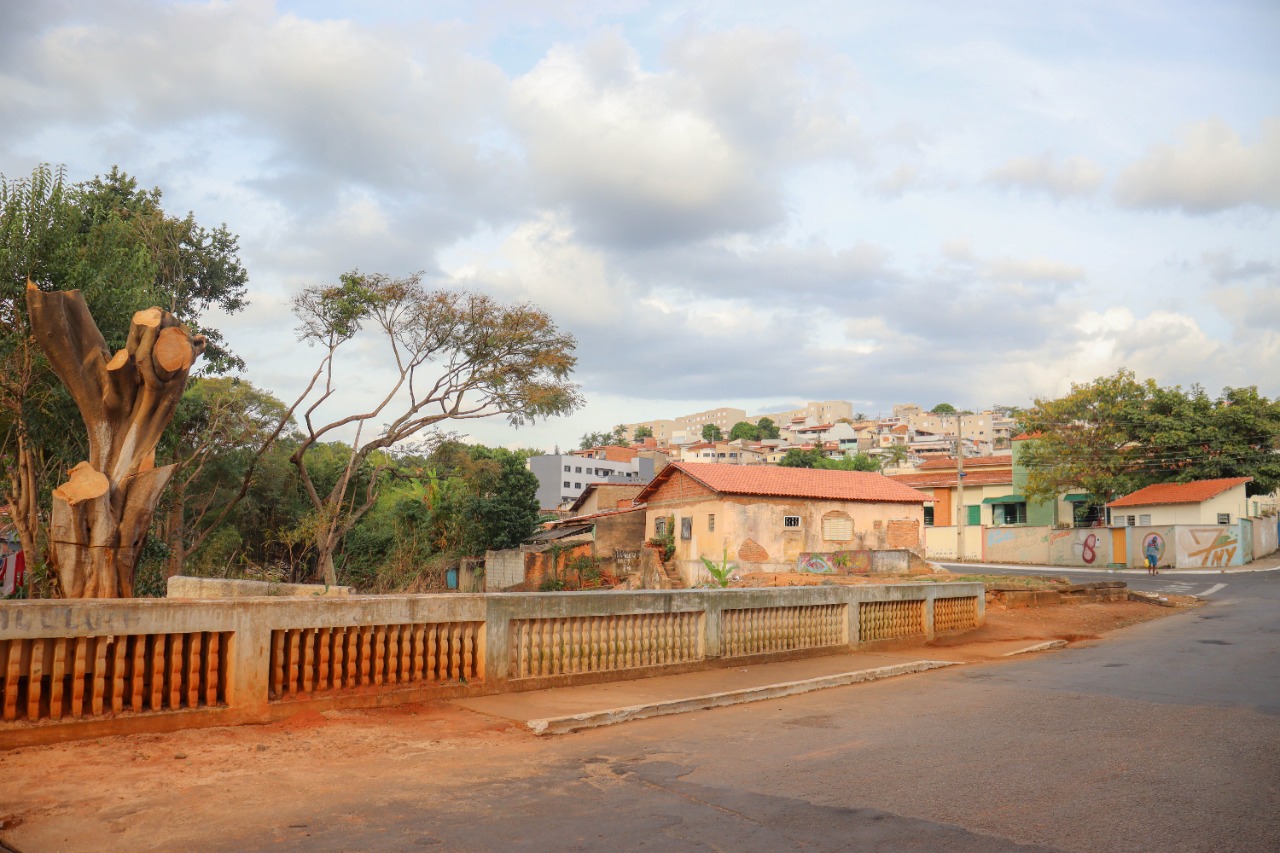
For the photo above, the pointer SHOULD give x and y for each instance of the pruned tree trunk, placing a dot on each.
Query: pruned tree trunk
(101, 515)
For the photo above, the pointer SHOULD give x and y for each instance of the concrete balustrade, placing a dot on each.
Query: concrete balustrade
(74, 669)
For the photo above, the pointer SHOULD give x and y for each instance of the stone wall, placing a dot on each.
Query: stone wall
(79, 669)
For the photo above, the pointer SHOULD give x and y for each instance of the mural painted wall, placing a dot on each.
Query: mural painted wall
(1089, 547)
(1016, 545)
(1161, 537)
(836, 563)
(1199, 547)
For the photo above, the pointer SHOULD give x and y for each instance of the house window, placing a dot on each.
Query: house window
(791, 521)
(577, 485)
(566, 484)
(711, 522)
(1133, 520)
(928, 516)
(837, 527)
(1009, 514)
(659, 526)
(1144, 520)
(566, 468)
(686, 527)
(1224, 518)
(975, 515)
(577, 470)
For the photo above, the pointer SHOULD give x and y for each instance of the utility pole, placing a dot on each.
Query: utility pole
(959, 487)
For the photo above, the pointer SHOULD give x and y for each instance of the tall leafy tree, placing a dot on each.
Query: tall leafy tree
(711, 432)
(117, 246)
(746, 430)
(1118, 434)
(768, 429)
(456, 356)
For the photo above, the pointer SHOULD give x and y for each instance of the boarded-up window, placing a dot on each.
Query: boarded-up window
(837, 527)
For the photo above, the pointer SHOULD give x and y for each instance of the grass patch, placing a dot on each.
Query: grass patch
(1030, 582)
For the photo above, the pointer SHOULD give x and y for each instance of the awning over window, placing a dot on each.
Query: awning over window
(1006, 499)
(1077, 498)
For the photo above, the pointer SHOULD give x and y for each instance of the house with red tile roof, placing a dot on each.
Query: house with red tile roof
(766, 518)
(1198, 502)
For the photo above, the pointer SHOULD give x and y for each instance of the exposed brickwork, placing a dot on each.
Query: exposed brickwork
(677, 490)
(751, 552)
(903, 533)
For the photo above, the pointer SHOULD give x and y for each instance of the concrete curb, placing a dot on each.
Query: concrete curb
(594, 719)
(1038, 647)
(952, 566)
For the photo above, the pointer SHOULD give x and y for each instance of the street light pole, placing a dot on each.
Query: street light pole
(959, 487)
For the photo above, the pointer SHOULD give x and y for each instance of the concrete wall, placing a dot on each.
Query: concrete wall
(1006, 544)
(1088, 547)
(78, 669)
(1211, 545)
(1266, 536)
(503, 569)
(940, 542)
(180, 586)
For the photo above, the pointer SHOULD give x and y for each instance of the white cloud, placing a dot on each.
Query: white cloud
(1210, 169)
(1074, 176)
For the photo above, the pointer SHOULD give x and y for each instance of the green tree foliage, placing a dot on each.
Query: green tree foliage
(895, 455)
(458, 356)
(768, 429)
(115, 244)
(220, 431)
(943, 409)
(1117, 434)
(711, 432)
(641, 433)
(813, 458)
(746, 430)
(594, 439)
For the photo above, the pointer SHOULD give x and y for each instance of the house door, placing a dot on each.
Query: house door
(1119, 551)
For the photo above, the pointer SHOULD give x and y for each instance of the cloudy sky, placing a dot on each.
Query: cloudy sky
(727, 203)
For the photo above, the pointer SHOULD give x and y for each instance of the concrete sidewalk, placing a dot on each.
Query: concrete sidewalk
(566, 709)
(1269, 563)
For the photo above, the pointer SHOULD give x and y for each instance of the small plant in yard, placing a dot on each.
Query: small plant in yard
(721, 572)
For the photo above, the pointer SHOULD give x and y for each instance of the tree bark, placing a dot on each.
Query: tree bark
(102, 514)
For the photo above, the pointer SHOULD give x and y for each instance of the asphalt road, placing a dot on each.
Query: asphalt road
(1163, 737)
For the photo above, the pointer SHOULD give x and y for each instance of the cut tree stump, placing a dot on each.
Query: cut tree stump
(101, 515)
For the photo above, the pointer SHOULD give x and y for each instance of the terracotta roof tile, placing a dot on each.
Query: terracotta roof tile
(969, 462)
(773, 481)
(938, 479)
(1194, 492)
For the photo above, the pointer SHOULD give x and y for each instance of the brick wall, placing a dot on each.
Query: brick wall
(903, 533)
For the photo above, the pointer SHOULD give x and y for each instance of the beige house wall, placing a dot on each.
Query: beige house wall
(1231, 502)
(750, 530)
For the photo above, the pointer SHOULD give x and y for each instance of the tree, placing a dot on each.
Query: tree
(620, 436)
(768, 429)
(814, 458)
(117, 247)
(745, 430)
(943, 409)
(711, 432)
(455, 356)
(641, 433)
(1116, 434)
(101, 516)
(220, 432)
(594, 439)
(895, 455)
